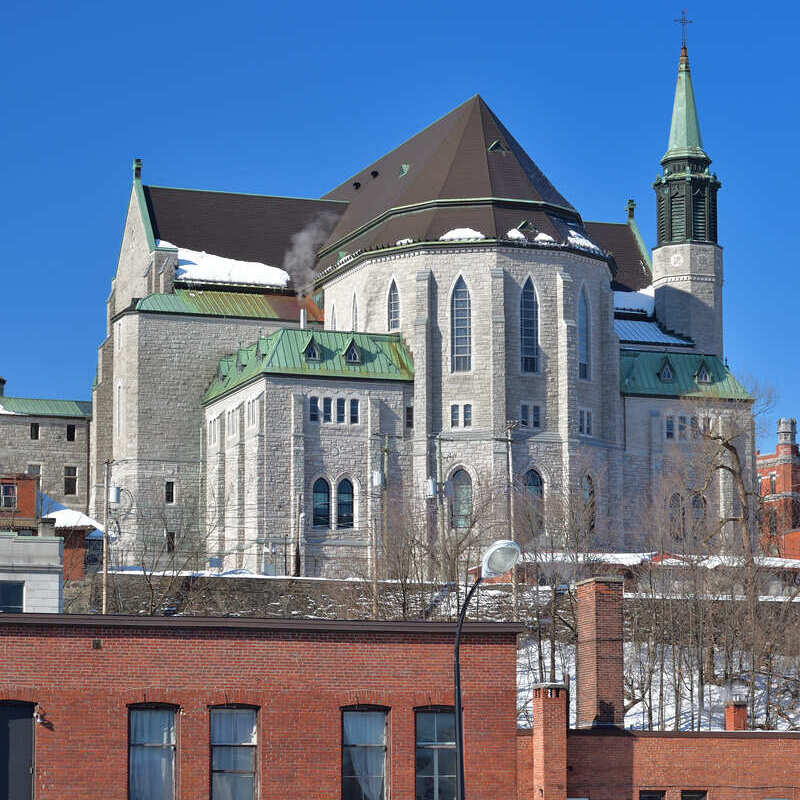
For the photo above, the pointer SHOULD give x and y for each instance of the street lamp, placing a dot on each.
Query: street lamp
(497, 560)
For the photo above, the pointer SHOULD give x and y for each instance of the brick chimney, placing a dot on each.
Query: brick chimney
(736, 715)
(549, 708)
(599, 657)
(2, 386)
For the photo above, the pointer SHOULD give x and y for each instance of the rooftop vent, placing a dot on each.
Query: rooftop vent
(498, 146)
(356, 185)
(404, 168)
(374, 173)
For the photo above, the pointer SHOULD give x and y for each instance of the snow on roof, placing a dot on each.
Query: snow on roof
(559, 556)
(514, 233)
(401, 242)
(543, 237)
(577, 239)
(642, 301)
(6, 411)
(208, 268)
(68, 518)
(461, 233)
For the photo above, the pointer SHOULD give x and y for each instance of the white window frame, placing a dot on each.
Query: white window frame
(586, 422)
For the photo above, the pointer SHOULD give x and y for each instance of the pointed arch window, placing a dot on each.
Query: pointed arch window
(321, 517)
(529, 328)
(677, 517)
(534, 492)
(703, 375)
(393, 309)
(355, 313)
(583, 336)
(344, 504)
(460, 328)
(462, 499)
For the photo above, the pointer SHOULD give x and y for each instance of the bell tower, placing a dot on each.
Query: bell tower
(687, 261)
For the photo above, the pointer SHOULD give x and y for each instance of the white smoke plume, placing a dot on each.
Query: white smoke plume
(300, 257)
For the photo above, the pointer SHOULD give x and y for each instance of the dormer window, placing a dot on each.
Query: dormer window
(703, 375)
(351, 355)
(312, 352)
(666, 375)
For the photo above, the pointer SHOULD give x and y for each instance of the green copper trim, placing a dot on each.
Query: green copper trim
(685, 140)
(140, 199)
(645, 253)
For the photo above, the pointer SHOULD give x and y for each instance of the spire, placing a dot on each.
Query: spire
(685, 140)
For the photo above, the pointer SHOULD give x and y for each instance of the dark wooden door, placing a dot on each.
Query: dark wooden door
(16, 751)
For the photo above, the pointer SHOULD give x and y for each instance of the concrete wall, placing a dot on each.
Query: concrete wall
(34, 561)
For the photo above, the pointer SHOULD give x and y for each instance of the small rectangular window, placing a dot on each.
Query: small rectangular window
(340, 409)
(409, 416)
(34, 430)
(70, 433)
(682, 428)
(651, 795)
(581, 421)
(693, 795)
(169, 541)
(524, 418)
(354, 412)
(34, 469)
(233, 753)
(327, 405)
(435, 755)
(11, 597)
(537, 419)
(8, 495)
(467, 415)
(169, 492)
(313, 409)
(454, 416)
(363, 755)
(669, 428)
(583, 371)
(588, 423)
(70, 480)
(772, 480)
(151, 754)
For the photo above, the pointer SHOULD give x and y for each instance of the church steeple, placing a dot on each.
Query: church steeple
(686, 192)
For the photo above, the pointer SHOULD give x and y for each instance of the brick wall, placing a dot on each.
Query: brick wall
(298, 674)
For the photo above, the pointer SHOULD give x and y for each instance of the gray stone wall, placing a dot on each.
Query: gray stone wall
(51, 452)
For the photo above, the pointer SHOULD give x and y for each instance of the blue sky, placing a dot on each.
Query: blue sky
(292, 98)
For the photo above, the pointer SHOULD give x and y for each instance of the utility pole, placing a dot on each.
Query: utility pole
(440, 501)
(384, 525)
(510, 425)
(106, 482)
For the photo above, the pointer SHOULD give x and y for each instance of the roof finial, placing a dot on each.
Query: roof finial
(137, 169)
(684, 21)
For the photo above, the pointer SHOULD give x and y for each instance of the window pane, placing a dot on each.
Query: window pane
(529, 313)
(453, 416)
(151, 773)
(340, 409)
(583, 335)
(226, 786)
(322, 503)
(326, 409)
(426, 727)
(394, 308)
(426, 788)
(11, 597)
(462, 499)
(233, 726)
(447, 788)
(313, 409)
(447, 760)
(461, 328)
(446, 727)
(467, 415)
(364, 727)
(344, 507)
(424, 761)
(233, 759)
(354, 412)
(152, 726)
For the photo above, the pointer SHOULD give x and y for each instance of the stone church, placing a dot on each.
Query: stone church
(439, 327)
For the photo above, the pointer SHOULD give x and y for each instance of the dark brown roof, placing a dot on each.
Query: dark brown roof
(618, 239)
(246, 227)
(467, 154)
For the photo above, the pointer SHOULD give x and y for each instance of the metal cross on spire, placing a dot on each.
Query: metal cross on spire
(684, 21)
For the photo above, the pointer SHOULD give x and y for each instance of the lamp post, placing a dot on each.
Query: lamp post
(497, 560)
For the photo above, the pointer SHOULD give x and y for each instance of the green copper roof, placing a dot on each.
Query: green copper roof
(641, 373)
(41, 407)
(289, 352)
(684, 132)
(258, 305)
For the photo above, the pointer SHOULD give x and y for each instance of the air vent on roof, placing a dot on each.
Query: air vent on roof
(374, 173)
(523, 225)
(356, 185)
(498, 146)
(404, 168)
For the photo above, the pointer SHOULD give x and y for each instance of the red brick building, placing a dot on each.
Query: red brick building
(779, 485)
(315, 709)
(18, 508)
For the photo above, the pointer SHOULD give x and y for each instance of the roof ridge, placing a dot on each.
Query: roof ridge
(244, 194)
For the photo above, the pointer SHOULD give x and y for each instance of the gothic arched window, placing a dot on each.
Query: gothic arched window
(529, 328)
(344, 504)
(393, 309)
(677, 516)
(322, 504)
(534, 492)
(460, 328)
(462, 498)
(583, 336)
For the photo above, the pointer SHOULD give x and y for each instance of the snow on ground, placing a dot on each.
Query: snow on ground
(460, 233)
(208, 268)
(643, 301)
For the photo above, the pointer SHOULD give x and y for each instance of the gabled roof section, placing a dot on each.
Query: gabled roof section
(245, 227)
(625, 246)
(253, 305)
(640, 375)
(466, 155)
(41, 407)
(382, 357)
(646, 331)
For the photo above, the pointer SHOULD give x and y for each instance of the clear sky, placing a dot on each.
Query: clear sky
(292, 98)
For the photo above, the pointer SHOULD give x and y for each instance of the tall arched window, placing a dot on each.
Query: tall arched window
(344, 504)
(534, 491)
(529, 328)
(676, 517)
(393, 309)
(589, 502)
(462, 499)
(321, 517)
(583, 336)
(460, 328)
(355, 313)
